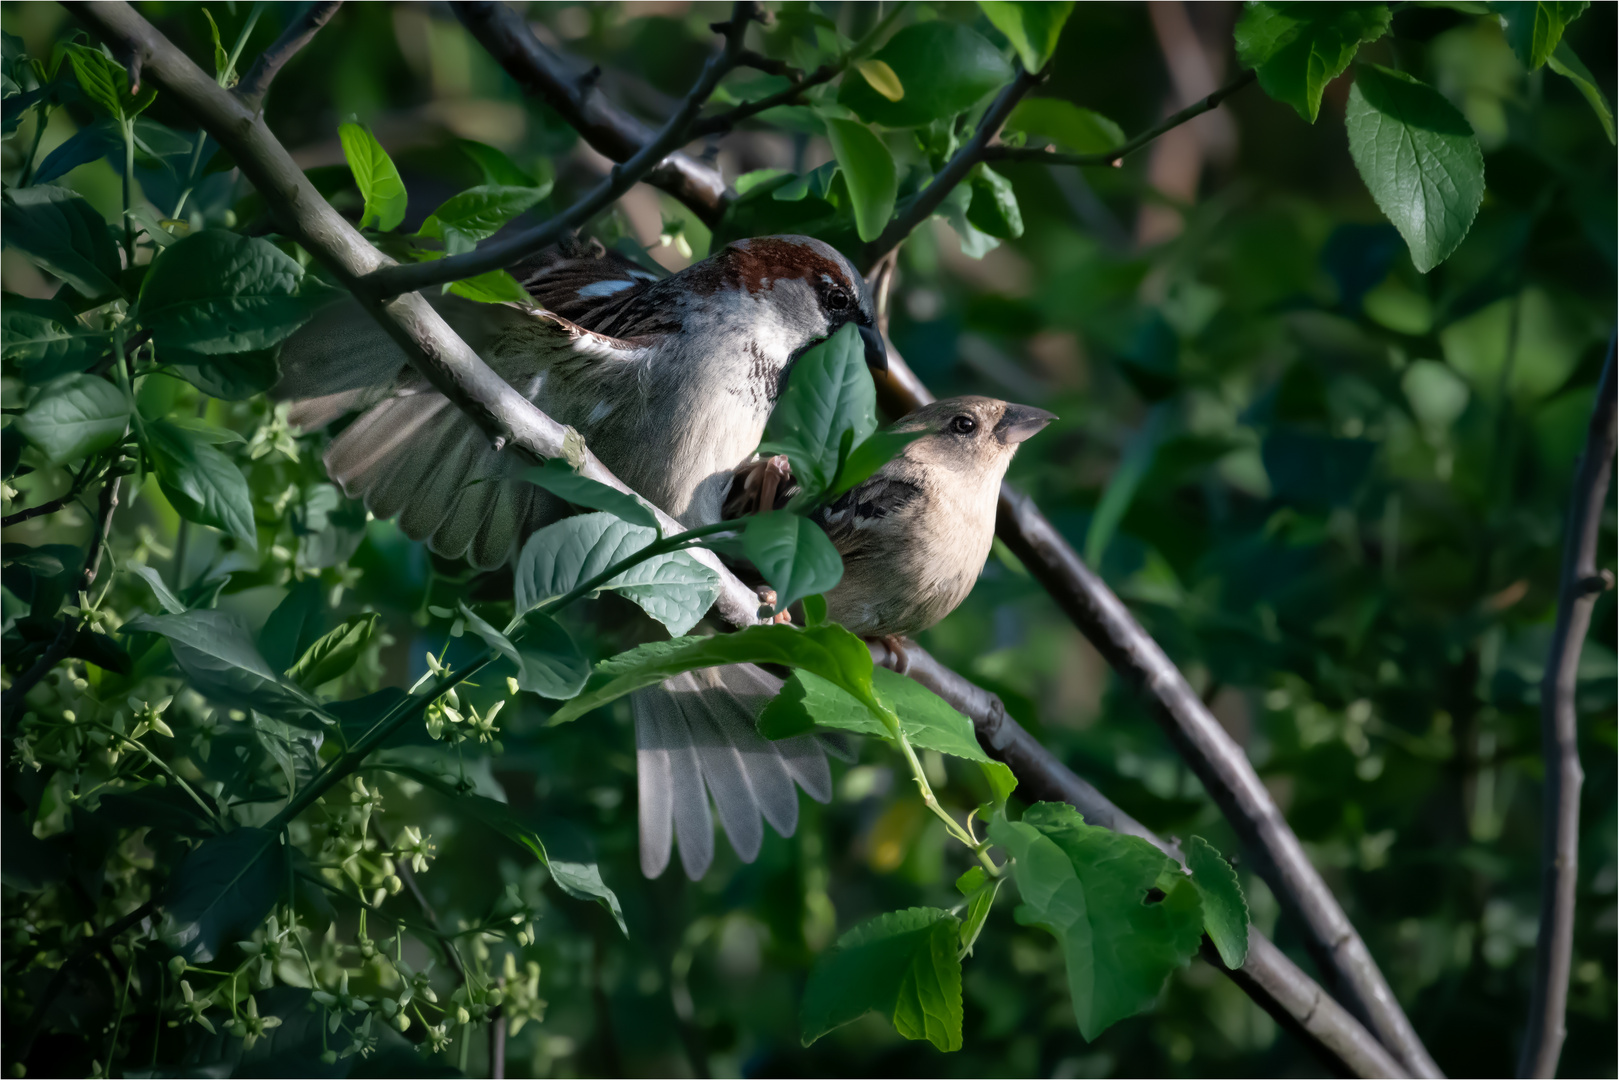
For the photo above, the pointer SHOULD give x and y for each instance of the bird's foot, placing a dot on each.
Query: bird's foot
(776, 475)
(756, 486)
(767, 604)
(896, 646)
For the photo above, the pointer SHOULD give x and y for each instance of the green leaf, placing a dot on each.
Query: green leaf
(86, 145)
(75, 417)
(1088, 887)
(829, 392)
(500, 170)
(167, 599)
(868, 169)
(1297, 49)
(375, 176)
(221, 57)
(222, 891)
(219, 292)
(334, 653)
(219, 659)
(45, 339)
(975, 885)
(878, 450)
(1419, 159)
(945, 68)
(582, 881)
(1225, 909)
(294, 624)
(793, 554)
(1534, 30)
(557, 477)
(476, 214)
(203, 484)
(1066, 125)
(493, 287)
(1565, 63)
(229, 377)
(106, 82)
(828, 651)
(65, 235)
(1032, 28)
(994, 209)
(902, 965)
(547, 660)
(675, 588)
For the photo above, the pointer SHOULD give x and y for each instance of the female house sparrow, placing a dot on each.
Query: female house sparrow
(670, 382)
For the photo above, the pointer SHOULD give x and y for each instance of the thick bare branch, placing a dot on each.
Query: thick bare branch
(508, 418)
(1110, 157)
(1559, 734)
(498, 254)
(1274, 982)
(1218, 761)
(300, 32)
(608, 129)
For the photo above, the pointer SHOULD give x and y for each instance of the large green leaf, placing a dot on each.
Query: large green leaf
(106, 82)
(477, 213)
(560, 480)
(829, 395)
(219, 292)
(229, 377)
(64, 234)
(203, 484)
(945, 68)
(1225, 909)
(74, 418)
(868, 170)
(217, 654)
(1088, 888)
(1419, 159)
(1031, 27)
(376, 177)
(793, 554)
(1565, 63)
(1065, 124)
(222, 891)
(674, 588)
(1297, 48)
(1534, 30)
(548, 661)
(902, 965)
(828, 651)
(294, 624)
(45, 339)
(334, 653)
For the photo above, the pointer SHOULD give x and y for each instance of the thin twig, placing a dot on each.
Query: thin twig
(300, 32)
(51, 507)
(1273, 981)
(1559, 732)
(497, 254)
(926, 201)
(1110, 157)
(720, 123)
(609, 130)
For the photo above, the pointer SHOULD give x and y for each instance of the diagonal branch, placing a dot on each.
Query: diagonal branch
(300, 32)
(506, 416)
(1273, 981)
(498, 254)
(1560, 750)
(608, 129)
(1113, 157)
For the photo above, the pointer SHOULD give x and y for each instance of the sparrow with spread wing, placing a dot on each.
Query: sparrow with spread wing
(670, 382)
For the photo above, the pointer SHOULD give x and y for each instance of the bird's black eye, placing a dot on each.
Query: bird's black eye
(963, 425)
(837, 300)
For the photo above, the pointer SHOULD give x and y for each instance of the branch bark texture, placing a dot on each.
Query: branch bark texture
(300, 32)
(1559, 736)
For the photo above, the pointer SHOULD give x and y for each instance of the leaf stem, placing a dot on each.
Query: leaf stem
(127, 127)
(213, 816)
(932, 803)
(40, 124)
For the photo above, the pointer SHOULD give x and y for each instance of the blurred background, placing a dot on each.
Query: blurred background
(1333, 489)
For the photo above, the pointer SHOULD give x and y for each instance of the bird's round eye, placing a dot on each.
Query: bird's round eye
(837, 300)
(963, 425)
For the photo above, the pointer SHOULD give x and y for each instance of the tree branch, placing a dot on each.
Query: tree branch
(924, 202)
(720, 123)
(1273, 981)
(300, 32)
(608, 129)
(498, 254)
(508, 418)
(1218, 761)
(1559, 733)
(1111, 157)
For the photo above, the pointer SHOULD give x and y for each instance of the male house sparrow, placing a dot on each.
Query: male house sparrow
(670, 381)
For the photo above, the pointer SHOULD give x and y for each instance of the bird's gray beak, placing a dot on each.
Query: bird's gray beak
(876, 352)
(1020, 422)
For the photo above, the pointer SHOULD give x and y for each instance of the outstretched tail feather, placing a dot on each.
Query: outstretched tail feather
(696, 735)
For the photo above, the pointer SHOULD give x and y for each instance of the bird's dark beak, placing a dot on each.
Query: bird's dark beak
(876, 352)
(1020, 422)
